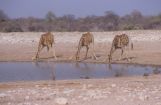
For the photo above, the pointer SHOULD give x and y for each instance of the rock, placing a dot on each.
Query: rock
(61, 101)
(142, 97)
(27, 98)
(85, 98)
(2, 95)
(92, 93)
(37, 86)
(68, 91)
(74, 102)
(113, 85)
(146, 74)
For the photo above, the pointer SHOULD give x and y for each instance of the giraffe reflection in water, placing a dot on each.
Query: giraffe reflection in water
(46, 66)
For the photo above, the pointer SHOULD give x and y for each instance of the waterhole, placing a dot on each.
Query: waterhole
(29, 71)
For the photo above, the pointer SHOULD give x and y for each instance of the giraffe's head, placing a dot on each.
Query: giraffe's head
(33, 58)
(77, 57)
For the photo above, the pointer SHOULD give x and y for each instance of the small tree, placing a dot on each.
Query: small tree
(3, 16)
(50, 16)
(111, 20)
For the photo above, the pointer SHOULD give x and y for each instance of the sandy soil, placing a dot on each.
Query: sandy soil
(116, 91)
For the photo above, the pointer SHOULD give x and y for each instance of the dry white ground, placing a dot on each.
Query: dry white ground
(116, 91)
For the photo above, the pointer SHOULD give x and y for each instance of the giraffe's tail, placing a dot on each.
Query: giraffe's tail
(131, 43)
(132, 46)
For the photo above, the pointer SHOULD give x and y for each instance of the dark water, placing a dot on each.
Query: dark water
(29, 71)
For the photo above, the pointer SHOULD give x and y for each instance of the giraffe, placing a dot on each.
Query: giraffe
(85, 40)
(120, 42)
(46, 40)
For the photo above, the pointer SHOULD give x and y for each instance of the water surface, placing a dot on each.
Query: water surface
(29, 71)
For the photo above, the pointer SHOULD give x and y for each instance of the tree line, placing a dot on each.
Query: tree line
(110, 21)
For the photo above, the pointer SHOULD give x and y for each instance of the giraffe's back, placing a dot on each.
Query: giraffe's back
(121, 41)
(47, 39)
(86, 39)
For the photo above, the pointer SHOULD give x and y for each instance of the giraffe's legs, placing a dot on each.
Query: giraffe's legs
(109, 57)
(53, 51)
(78, 52)
(127, 53)
(93, 52)
(87, 48)
(122, 51)
(38, 52)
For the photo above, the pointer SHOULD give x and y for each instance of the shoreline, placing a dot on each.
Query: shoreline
(88, 62)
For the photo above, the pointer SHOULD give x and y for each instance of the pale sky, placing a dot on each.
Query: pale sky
(79, 8)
